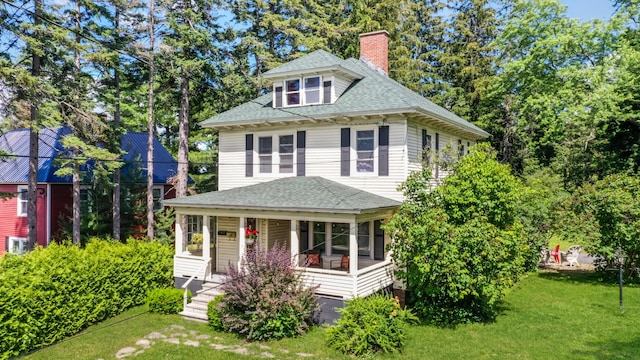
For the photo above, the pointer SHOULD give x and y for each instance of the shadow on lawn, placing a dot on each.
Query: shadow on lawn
(579, 276)
(611, 349)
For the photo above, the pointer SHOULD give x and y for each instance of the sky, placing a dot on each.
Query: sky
(589, 9)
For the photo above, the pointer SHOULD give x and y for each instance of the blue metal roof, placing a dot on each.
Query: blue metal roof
(14, 169)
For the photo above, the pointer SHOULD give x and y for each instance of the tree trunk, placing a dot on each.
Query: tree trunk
(116, 127)
(183, 136)
(76, 201)
(32, 187)
(76, 166)
(151, 124)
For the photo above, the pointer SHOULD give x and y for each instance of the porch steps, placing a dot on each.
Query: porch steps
(196, 310)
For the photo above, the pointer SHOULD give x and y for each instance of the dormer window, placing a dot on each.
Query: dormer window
(300, 91)
(292, 92)
(312, 90)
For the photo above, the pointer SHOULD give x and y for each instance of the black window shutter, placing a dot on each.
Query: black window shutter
(437, 141)
(278, 96)
(248, 171)
(424, 144)
(383, 151)
(345, 150)
(327, 92)
(300, 149)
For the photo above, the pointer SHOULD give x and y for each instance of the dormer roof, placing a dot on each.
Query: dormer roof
(371, 94)
(316, 62)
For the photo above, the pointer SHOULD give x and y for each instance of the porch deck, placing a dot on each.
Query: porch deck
(370, 277)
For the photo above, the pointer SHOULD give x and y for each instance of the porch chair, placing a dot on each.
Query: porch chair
(545, 255)
(313, 259)
(556, 254)
(344, 263)
(572, 255)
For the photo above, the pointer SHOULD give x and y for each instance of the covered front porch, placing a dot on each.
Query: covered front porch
(340, 249)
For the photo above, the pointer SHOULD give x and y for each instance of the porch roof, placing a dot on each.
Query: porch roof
(311, 194)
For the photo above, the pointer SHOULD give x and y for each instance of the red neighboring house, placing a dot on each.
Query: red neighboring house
(54, 192)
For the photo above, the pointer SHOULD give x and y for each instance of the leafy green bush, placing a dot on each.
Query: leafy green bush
(166, 301)
(459, 246)
(370, 325)
(537, 210)
(605, 216)
(214, 314)
(49, 294)
(265, 298)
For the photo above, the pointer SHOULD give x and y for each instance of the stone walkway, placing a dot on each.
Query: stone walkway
(177, 334)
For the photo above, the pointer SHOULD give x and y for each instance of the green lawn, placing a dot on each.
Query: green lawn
(548, 315)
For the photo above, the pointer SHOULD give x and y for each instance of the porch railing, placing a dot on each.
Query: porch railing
(202, 270)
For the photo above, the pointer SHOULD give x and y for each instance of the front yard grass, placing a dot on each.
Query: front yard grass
(547, 315)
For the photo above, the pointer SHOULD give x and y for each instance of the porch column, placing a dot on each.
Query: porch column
(294, 241)
(179, 232)
(242, 246)
(206, 238)
(353, 248)
(327, 238)
(372, 236)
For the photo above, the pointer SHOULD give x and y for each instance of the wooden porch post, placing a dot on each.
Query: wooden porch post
(242, 246)
(206, 238)
(327, 238)
(372, 236)
(353, 248)
(179, 236)
(294, 241)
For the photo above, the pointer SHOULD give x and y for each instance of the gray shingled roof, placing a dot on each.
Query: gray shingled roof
(373, 94)
(312, 194)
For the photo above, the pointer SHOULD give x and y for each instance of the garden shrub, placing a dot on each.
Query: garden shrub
(51, 293)
(167, 300)
(370, 325)
(214, 314)
(265, 298)
(605, 216)
(459, 246)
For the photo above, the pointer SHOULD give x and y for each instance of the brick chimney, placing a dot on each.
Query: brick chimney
(374, 49)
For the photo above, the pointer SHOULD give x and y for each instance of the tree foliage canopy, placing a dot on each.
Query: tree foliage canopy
(459, 246)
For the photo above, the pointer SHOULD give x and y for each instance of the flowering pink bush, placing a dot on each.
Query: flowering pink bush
(265, 298)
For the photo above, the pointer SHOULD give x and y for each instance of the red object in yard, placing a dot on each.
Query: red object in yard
(556, 254)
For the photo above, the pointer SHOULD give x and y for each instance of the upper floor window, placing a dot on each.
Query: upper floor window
(23, 199)
(301, 91)
(365, 145)
(286, 153)
(312, 90)
(264, 152)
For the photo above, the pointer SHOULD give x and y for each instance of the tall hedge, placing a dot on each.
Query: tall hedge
(51, 293)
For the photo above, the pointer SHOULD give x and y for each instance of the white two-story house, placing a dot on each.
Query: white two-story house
(315, 165)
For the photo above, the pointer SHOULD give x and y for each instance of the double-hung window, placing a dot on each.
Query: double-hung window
(301, 91)
(265, 153)
(23, 199)
(285, 149)
(292, 92)
(365, 146)
(158, 196)
(312, 90)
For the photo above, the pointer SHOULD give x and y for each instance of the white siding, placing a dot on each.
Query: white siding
(227, 246)
(339, 86)
(322, 158)
(187, 266)
(448, 146)
(375, 278)
(333, 283)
